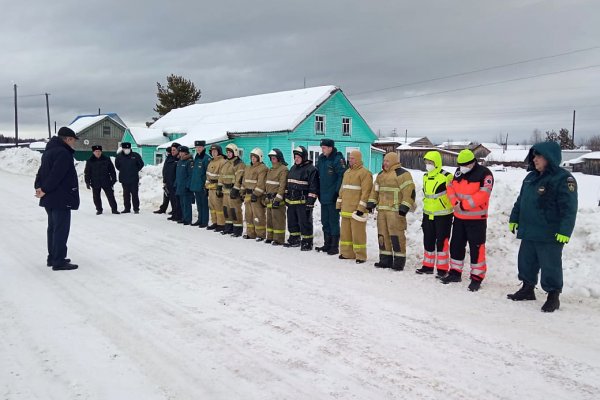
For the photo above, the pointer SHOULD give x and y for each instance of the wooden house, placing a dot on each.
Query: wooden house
(587, 164)
(281, 120)
(105, 130)
(412, 157)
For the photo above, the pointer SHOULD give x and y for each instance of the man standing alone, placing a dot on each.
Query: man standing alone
(129, 164)
(100, 175)
(544, 218)
(57, 187)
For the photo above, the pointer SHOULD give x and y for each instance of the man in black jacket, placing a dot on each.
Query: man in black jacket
(165, 203)
(100, 175)
(169, 173)
(57, 187)
(129, 164)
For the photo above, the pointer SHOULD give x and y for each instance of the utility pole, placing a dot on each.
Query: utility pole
(406, 136)
(48, 115)
(573, 127)
(304, 82)
(55, 127)
(16, 119)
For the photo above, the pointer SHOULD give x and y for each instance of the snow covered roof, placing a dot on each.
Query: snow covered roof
(85, 122)
(594, 155)
(272, 112)
(456, 144)
(148, 136)
(37, 145)
(377, 150)
(510, 155)
(399, 139)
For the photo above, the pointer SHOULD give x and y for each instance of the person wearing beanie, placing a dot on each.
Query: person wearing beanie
(543, 218)
(57, 187)
(301, 193)
(183, 178)
(99, 174)
(393, 195)
(352, 203)
(230, 179)
(215, 191)
(198, 183)
(469, 194)
(331, 166)
(253, 187)
(129, 164)
(275, 183)
(437, 216)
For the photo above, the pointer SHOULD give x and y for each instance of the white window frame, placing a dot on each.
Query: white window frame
(157, 155)
(348, 150)
(313, 153)
(323, 123)
(349, 126)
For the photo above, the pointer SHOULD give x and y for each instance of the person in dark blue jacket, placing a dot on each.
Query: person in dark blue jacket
(331, 166)
(57, 187)
(197, 184)
(99, 174)
(543, 218)
(129, 163)
(185, 165)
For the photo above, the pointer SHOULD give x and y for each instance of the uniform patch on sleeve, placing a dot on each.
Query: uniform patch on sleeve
(343, 163)
(488, 182)
(571, 184)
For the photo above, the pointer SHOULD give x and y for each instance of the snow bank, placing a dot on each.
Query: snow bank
(580, 255)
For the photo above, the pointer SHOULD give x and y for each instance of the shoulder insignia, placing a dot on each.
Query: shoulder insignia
(571, 184)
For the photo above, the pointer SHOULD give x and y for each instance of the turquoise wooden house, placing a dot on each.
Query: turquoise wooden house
(281, 120)
(145, 142)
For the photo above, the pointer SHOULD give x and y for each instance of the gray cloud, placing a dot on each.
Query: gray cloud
(109, 55)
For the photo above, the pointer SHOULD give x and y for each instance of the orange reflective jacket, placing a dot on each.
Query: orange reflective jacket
(472, 192)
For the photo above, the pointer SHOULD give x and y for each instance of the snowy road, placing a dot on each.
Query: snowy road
(162, 311)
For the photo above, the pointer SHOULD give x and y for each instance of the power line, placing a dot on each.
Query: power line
(482, 85)
(24, 95)
(477, 70)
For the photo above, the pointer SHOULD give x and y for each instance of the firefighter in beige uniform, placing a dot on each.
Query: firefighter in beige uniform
(394, 195)
(254, 189)
(215, 192)
(230, 178)
(274, 199)
(352, 201)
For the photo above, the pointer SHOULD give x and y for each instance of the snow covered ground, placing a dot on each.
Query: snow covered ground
(161, 311)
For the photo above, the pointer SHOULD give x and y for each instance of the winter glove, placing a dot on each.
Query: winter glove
(370, 206)
(219, 192)
(276, 203)
(403, 210)
(512, 227)
(310, 201)
(253, 198)
(87, 185)
(562, 238)
(359, 213)
(234, 194)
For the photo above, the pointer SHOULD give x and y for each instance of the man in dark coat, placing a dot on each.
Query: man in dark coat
(57, 187)
(185, 166)
(169, 176)
(544, 218)
(100, 175)
(331, 167)
(129, 163)
(197, 184)
(165, 203)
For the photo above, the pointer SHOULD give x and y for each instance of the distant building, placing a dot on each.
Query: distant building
(457, 145)
(145, 141)
(391, 143)
(105, 130)
(281, 120)
(512, 155)
(588, 163)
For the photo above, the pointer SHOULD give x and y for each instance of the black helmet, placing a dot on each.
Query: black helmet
(302, 152)
(217, 148)
(278, 154)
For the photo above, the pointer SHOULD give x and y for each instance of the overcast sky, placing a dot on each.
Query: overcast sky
(110, 54)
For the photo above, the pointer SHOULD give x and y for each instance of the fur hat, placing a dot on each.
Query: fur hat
(200, 143)
(327, 142)
(125, 145)
(96, 147)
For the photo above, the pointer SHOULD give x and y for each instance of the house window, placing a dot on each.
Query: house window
(313, 153)
(158, 158)
(346, 126)
(320, 124)
(240, 153)
(106, 130)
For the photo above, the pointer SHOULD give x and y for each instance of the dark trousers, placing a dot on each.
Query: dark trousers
(330, 219)
(472, 232)
(130, 195)
(436, 236)
(202, 207)
(546, 256)
(165, 203)
(110, 195)
(59, 225)
(186, 206)
(175, 203)
(300, 222)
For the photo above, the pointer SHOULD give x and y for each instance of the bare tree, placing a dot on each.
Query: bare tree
(594, 143)
(536, 137)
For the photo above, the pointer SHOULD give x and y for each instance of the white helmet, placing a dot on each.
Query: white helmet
(234, 149)
(258, 153)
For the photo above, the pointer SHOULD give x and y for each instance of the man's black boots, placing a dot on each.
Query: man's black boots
(326, 244)
(525, 293)
(552, 303)
(334, 245)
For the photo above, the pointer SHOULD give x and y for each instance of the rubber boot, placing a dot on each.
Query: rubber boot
(399, 263)
(385, 261)
(306, 245)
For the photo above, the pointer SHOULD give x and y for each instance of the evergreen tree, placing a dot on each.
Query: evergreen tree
(179, 92)
(551, 136)
(565, 140)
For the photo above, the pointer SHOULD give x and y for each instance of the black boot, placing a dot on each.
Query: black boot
(399, 263)
(69, 266)
(227, 229)
(474, 285)
(334, 245)
(424, 270)
(212, 227)
(525, 293)
(385, 261)
(552, 303)
(293, 241)
(306, 245)
(196, 223)
(326, 244)
(453, 276)
(237, 231)
(268, 241)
